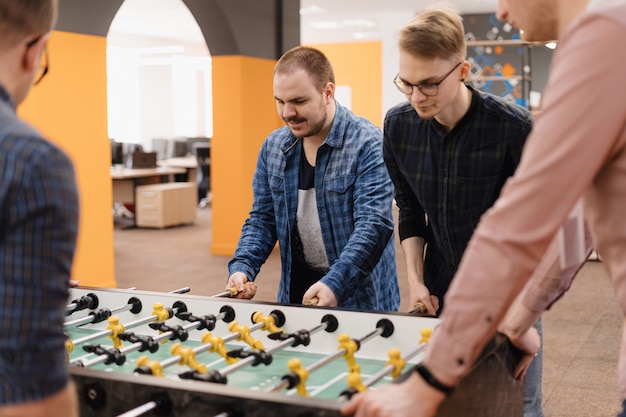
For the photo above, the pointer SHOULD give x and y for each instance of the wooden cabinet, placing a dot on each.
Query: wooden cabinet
(166, 204)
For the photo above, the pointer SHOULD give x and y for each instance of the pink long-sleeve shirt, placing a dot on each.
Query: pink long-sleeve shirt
(577, 149)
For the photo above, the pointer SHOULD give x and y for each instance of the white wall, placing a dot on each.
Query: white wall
(158, 86)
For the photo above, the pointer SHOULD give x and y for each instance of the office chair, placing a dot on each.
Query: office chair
(202, 151)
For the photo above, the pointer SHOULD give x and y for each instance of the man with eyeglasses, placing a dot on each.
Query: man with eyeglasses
(449, 150)
(38, 228)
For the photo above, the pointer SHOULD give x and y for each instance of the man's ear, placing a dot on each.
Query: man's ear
(465, 70)
(33, 52)
(329, 90)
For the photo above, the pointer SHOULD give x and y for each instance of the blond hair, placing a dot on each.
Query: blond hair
(435, 32)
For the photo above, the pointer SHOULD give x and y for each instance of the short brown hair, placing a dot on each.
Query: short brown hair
(22, 18)
(312, 60)
(435, 32)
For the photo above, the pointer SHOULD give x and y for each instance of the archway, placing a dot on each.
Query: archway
(159, 81)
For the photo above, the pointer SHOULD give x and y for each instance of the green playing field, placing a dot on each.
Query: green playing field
(328, 382)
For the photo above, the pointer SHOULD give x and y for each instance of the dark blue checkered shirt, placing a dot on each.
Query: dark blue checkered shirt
(38, 227)
(445, 181)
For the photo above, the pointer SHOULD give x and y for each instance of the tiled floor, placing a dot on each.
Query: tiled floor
(582, 332)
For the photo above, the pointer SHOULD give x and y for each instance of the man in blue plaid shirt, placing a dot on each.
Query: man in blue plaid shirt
(322, 191)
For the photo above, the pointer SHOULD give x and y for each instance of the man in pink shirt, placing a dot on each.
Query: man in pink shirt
(577, 150)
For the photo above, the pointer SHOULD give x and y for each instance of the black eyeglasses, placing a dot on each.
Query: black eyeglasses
(427, 88)
(44, 65)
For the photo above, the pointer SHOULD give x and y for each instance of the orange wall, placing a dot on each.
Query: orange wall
(359, 65)
(244, 113)
(69, 108)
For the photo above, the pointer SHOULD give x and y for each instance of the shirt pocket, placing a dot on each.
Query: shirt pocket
(277, 189)
(339, 192)
(340, 185)
(276, 183)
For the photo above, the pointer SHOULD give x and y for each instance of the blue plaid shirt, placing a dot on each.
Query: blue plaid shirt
(445, 181)
(38, 228)
(354, 199)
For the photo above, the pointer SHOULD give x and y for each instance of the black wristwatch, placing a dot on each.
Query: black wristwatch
(431, 380)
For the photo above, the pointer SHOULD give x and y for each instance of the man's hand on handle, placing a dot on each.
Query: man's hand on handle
(240, 286)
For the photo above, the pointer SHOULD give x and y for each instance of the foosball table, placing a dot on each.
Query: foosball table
(135, 353)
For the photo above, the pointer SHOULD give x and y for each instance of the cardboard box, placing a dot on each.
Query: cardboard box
(166, 204)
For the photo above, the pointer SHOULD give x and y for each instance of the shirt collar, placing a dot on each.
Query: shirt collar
(6, 98)
(334, 137)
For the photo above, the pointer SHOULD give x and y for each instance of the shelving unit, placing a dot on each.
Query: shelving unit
(525, 78)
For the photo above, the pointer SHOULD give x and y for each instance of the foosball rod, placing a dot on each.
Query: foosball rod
(161, 404)
(89, 301)
(383, 328)
(207, 346)
(383, 372)
(104, 333)
(229, 293)
(106, 313)
(227, 311)
(329, 322)
(134, 305)
(141, 410)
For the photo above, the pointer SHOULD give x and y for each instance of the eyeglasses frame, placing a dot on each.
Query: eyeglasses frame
(398, 80)
(46, 59)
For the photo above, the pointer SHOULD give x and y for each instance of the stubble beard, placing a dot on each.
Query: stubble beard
(313, 130)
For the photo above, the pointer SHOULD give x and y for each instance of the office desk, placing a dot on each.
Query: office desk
(125, 180)
(188, 163)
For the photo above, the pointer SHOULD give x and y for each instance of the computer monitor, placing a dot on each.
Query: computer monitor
(191, 141)
(179, 148)
(161, 147)
(117, 152)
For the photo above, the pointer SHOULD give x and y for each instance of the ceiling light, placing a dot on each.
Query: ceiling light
(365, 35)
(325, 24)
(313, 9)
(157, 50)
(358, 23)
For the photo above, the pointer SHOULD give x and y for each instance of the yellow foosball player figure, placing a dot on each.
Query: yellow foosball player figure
(187, 357)
(295, 366)
(244, 334)
(267, 320)
(217, 345)
(116, 328)
(397, 361)
(147, 366)
(355, 382)
(350, 347)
